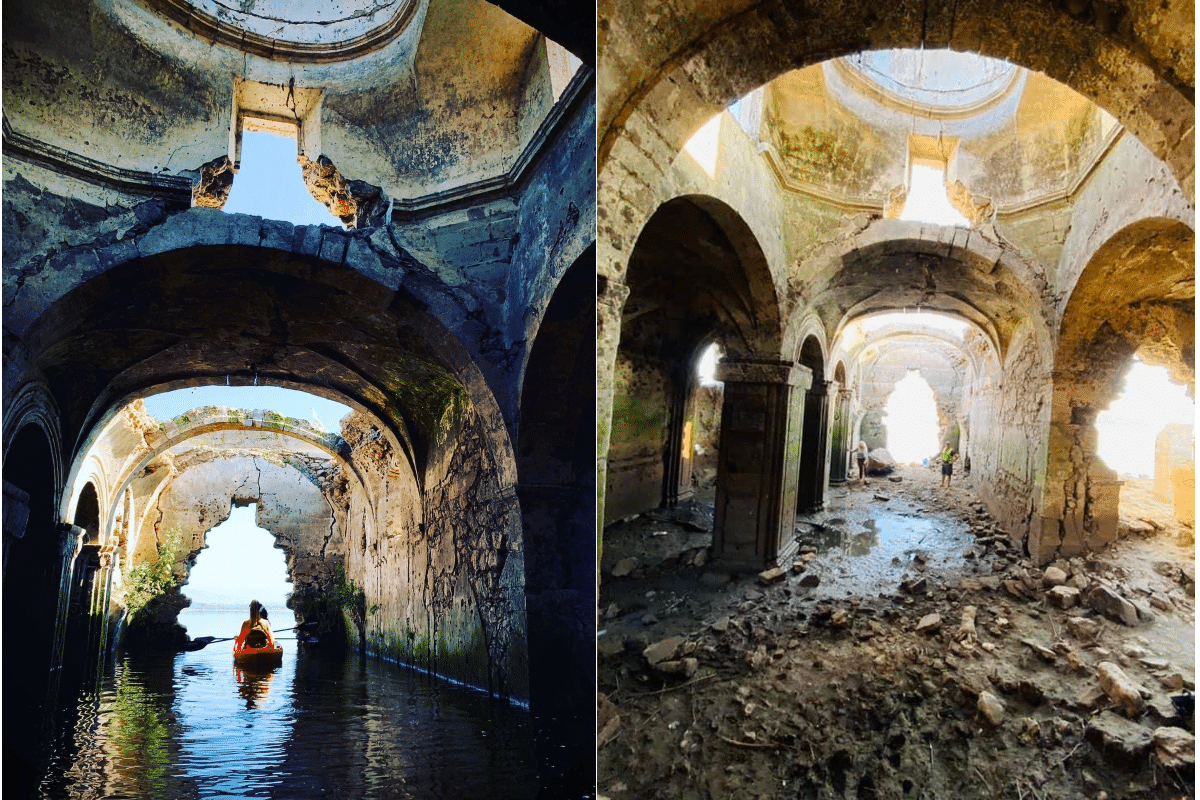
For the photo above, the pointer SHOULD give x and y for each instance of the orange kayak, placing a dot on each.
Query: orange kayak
(258, 656)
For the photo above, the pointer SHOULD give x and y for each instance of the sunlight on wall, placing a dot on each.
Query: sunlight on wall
(270, 183)
(702, 147)
(706, 369)
(1149, 402)
(927, 201)
(910, 415)
(240, 564)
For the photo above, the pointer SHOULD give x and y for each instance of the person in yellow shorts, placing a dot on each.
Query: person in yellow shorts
(948, 457)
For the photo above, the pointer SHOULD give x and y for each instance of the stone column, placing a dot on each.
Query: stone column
(758, 463)
(1183, 480)
(69, 538)
(677, 471)
(811, 496)
(1082, 494)
(839, 448)
(610, 300)
(16, 515)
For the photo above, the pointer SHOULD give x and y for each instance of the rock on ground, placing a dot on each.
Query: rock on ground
(1118, 739)
(1175, 748)
(1120, 688)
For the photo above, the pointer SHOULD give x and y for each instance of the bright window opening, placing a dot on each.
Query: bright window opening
(270, 183)
(323, 414)
(1127, 429)
(563, 65)
(706, 369)
(911, 418)
(927, 200)
(702, 147)
(239, 563)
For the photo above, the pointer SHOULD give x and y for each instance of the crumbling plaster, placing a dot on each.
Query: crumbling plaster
(172, 93)
(686, 64)
(829, 255)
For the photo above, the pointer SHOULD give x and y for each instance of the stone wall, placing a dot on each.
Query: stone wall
(442, 568)
(1008, 416)
(938, 365)
(639, 436)
(706, 435)
(291, 502)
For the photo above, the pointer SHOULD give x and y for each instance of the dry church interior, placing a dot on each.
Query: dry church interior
(452, 398)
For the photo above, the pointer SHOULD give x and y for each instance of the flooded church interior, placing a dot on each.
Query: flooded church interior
(446, 525)
(938, 232)
(624, 400)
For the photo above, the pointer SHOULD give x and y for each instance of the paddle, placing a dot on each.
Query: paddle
(201, 642)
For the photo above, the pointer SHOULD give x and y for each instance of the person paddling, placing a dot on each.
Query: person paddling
(256, 631)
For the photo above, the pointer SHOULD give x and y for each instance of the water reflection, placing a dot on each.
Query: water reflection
(254, 683)
(192, 725)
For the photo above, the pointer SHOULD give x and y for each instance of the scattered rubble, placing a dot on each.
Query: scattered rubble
(967, 678)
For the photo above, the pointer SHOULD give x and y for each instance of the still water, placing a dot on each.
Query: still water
(191, 725)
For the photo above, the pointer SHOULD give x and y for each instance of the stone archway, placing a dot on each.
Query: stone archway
(1134, 63)
(36, 560)
(203, 313)
(701, 243)
(1137, 293)
(557, 487)
(814, 435)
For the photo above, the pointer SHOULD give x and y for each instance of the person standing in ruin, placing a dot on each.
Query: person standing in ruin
(860, 456)
(948, 457)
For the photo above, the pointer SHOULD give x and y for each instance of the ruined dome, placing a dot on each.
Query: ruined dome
(286, 30)
(932, 80)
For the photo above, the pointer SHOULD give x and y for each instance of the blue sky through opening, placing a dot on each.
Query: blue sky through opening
(239, 564)
(270, 183)
(286, 402)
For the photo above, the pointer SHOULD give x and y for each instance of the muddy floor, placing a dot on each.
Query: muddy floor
(909, 654)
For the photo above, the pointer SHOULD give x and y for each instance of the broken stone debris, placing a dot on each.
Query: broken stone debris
(990, 709)
(1122, 689)
(1118, 739)
(663, 650)
(1112, 605)
(1174, 748)
(771, 576)
(624, 567)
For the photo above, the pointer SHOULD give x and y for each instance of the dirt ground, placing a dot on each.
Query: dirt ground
(929, 660)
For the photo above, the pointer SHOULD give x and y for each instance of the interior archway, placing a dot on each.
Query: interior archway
(34, 563)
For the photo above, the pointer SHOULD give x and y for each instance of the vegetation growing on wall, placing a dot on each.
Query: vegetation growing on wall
(150, 580)
(332, 605)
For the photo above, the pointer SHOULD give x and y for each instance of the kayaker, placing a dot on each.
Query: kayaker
(256, 631)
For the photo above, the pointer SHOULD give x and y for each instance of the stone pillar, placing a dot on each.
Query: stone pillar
(610, 300)
(69, 538)
(813, 446)
(16, 515)
(1083, 495)
(1172, 447)
(758, 464)
(101, 597)
(839, 448)
(1183, 479)
(1101, 514)
(677, 471)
